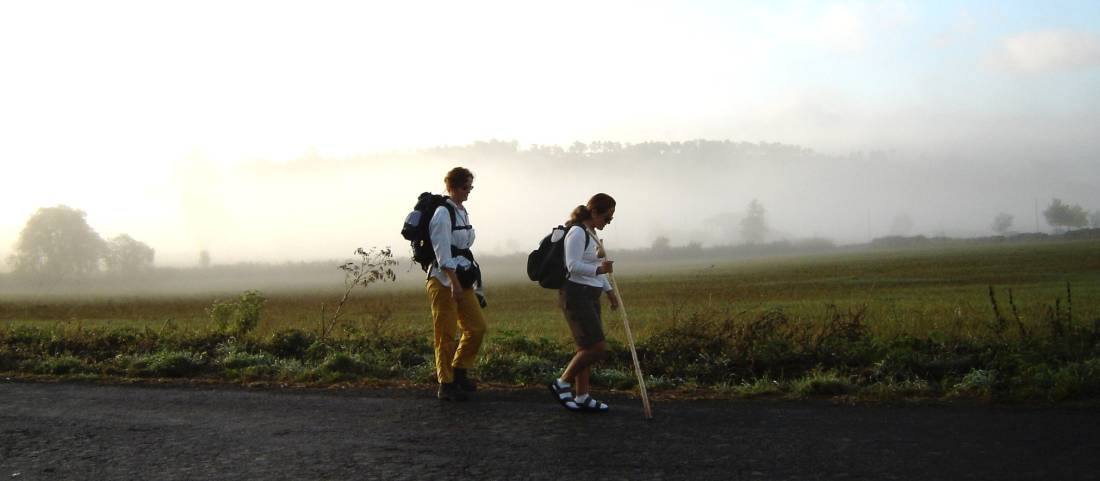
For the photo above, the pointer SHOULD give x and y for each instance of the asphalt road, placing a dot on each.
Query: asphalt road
(93, 431)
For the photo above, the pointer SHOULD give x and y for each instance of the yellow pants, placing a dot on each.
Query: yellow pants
(448, 316)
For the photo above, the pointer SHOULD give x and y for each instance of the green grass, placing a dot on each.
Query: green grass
(882, 324)
(912, 292)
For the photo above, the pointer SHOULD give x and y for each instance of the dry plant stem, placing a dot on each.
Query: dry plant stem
(348, 286)
(1069, 304)
(373, 266)
(1016, 314)
(998, 319)
(629, 337)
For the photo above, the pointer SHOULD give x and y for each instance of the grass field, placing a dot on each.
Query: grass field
(830, 318)
(914, 292)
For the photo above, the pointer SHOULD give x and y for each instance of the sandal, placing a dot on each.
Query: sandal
(591, 405)
(564, 396)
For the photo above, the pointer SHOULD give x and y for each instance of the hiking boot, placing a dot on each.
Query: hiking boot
(449, 391)
(463, 381)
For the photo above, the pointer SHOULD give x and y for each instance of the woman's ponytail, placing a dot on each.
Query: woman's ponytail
(580, 214)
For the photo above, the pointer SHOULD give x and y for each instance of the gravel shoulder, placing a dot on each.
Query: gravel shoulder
(93, 431)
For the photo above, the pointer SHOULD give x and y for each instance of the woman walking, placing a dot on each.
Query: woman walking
(587, 270)
(451, 291)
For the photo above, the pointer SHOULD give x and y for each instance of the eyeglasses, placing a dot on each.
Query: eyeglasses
(467, 187)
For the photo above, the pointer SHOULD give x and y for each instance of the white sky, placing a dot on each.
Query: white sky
(143, 113)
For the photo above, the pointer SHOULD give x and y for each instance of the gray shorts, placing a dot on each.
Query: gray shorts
(582, 312)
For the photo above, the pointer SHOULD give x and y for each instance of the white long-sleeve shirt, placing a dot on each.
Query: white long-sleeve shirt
(581, 262)
(443, 237)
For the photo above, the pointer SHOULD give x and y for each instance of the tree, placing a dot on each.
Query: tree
(1002, 223)
(1059, 214)
(125, 255)
(661, 244)
(1094, 219)
(754, 226)
(57, 242)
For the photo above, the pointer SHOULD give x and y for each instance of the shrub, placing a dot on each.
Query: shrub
(167, 364)
(1076, 381)
(761, 386)
(823, 383)
(529, 368)
(977, 383)
(844, 339)
(237, 317)
(511, 357)
(424, 372)
(340, 363)
(290, 343)
(9, 360)
(405, 356)
(495, 366)
(899, 389)
(95, 344)
(693, 349)
(241, 360)
(60, 365)
(291, 369)
(514, 342)
(318, 351)
(613, 378)
(343, 366)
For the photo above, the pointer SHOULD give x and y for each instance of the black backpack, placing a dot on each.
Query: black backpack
(415, 229)
(546, 265)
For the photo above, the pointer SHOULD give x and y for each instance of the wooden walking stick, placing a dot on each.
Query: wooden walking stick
(629, 336)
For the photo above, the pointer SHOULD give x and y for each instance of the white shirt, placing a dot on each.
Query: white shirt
(443, 237)
(581, 262)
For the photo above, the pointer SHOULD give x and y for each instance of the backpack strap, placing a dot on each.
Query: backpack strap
(586, 236)
(451, 210)
(454, 220)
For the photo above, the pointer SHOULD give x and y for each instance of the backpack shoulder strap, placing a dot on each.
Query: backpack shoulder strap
(451, 210)
(586, 236)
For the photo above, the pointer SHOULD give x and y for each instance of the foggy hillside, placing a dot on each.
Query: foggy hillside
(695, 191)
